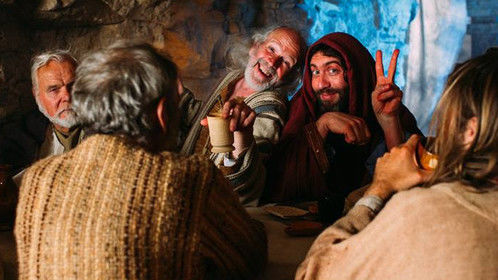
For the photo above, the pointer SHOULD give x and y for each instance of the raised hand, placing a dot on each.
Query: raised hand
(386, 97)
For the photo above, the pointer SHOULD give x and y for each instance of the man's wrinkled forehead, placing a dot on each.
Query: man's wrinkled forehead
(55, 71)
(287, 39)
(326, 51)
(319, 59)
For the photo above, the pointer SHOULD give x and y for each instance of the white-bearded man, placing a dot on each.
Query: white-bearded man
(55, 130)
(254, 92)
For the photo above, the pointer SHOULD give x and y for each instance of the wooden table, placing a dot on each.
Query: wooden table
(285, 252)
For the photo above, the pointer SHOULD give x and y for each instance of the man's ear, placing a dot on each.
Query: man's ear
(470, 132)
(162, 114)
(252, 50)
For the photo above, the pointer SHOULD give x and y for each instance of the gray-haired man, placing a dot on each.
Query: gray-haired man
(123, 204)
(254, 88)
(36, 137)
(50, 131)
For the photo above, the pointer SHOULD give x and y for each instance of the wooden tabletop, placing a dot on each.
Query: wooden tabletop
(285, 252)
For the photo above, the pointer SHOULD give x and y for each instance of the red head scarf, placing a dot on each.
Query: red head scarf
(295, 171)
(360, 75)
(361, 79)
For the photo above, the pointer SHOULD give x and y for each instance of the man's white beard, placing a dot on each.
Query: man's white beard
(67, 122)
(251, 80)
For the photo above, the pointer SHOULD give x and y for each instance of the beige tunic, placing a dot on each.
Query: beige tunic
(448, 231)
(108, 209)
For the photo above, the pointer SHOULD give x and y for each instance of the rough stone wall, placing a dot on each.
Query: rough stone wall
(483, 27)
(15, 82)
(195, 33)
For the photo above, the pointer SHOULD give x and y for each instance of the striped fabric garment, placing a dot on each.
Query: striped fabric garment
(248, 175)
(111, 210)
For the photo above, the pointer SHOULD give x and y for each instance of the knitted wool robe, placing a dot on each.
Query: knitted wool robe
(109, 209)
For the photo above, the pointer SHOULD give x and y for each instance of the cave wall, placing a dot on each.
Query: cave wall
(195, 33)
(483, 27)
(15, 54)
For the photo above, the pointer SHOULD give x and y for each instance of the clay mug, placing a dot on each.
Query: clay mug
(219, 134)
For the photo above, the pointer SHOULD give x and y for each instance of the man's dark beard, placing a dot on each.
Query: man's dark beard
(340, 106)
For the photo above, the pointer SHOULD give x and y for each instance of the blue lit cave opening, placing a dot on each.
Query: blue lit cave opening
(428, 33)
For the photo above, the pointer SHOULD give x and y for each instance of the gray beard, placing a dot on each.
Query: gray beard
(68, 122)
(256, 85)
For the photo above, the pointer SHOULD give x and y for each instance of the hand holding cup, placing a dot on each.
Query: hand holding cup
(219, 134)
(397, 170)
(235, 116)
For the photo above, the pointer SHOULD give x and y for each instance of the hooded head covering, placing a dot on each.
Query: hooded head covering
(360, 74)
(361, 79)
(300, 169)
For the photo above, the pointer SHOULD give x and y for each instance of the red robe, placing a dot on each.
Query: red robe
(299, 168)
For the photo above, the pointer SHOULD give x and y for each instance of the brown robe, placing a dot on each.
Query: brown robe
(109, 209)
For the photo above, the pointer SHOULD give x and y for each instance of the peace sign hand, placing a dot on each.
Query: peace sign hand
(386, 97)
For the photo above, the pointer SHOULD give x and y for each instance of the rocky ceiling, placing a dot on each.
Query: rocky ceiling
(195, 33)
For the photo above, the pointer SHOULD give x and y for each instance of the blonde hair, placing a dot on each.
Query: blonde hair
(471, 91)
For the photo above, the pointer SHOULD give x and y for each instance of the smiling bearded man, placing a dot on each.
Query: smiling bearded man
(331, 97)
(255, 92)
(345, 116)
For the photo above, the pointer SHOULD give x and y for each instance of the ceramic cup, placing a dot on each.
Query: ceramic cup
(426, 159)
(219, 134)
